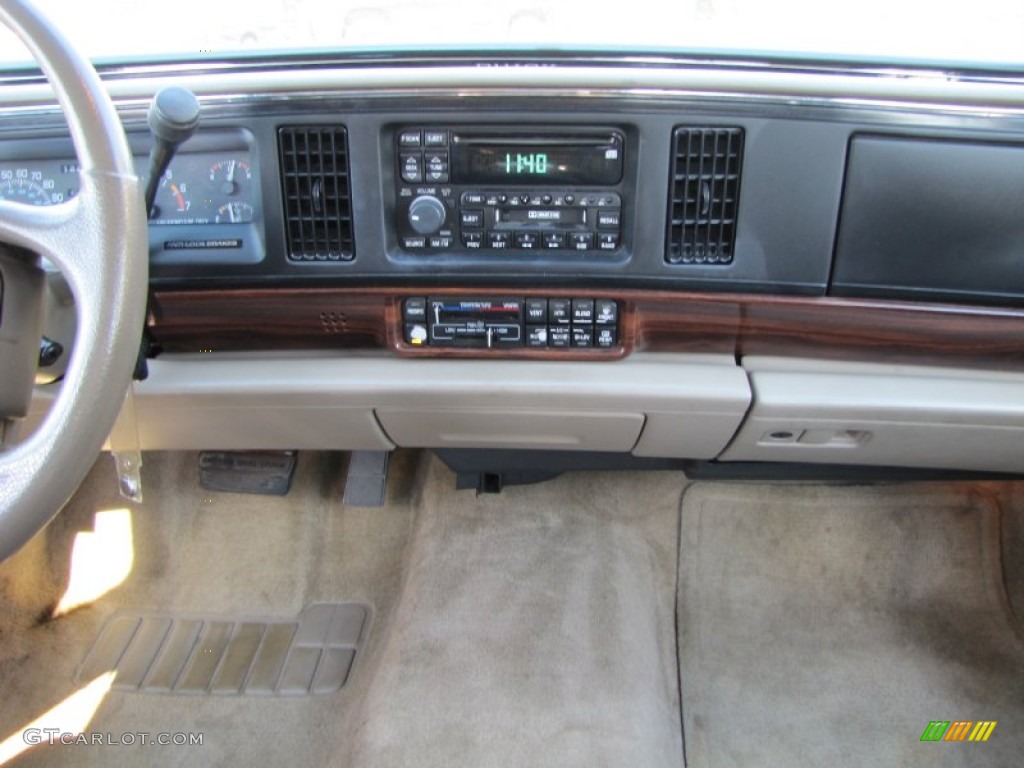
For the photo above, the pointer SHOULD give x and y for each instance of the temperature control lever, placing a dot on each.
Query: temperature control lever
(173, 118)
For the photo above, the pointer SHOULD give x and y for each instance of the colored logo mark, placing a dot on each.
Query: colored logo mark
(958, 730)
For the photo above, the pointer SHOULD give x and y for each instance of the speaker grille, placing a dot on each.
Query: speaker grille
(705, 192)
(317, 195)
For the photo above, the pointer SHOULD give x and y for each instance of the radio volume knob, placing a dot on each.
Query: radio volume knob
(426, 214)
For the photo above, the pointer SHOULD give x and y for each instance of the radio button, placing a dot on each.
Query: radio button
(440, 242)
(415, 310)
(498, 240)
(435, 138)
(437, 166)
(412, 167)
(536, 335)
(414, 242)
(498, 199)
(581, 241)
(554, 241)
(559, 336)
(608, 241)
(583, 311)
(606, 312)
(472, 198)
(473, 219)
(606, 337)
(582, 336)
(527, 241)
(570, 199)
(536, 310)
(560, 311)
(410, 139)
(524, 199)
(608, 219)
(473, 239)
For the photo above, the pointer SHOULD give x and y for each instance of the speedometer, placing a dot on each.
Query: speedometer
(38, 183)
(24, 191)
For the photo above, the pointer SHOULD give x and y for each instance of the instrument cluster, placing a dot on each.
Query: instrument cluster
(198, 188)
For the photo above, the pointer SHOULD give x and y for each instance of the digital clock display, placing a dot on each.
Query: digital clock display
(552, 160)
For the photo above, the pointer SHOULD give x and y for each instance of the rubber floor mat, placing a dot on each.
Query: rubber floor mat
(154, 653)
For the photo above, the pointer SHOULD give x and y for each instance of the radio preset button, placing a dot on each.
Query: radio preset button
(527, 240)
(435, 138)
(560, 311)
(581, 241)
(546, 199)
(473, 219)
(410, 139)
(536, 310)
(497, 240)
(570, 199)
(554, 240)
(583, 311)
(412, 167)
(608, 219)
(473, 239)
(608, 241)
(499, 199)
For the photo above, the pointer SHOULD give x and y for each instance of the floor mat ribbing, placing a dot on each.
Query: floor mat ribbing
(195, 655)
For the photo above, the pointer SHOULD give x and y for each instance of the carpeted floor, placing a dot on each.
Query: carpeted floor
(534, 628)
(557, 624)
(830, 625)
(531, 628)
(206, 553)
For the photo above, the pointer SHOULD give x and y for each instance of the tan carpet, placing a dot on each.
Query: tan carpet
(535, 628)
(198, 552)
(531, 628)
(827, 626)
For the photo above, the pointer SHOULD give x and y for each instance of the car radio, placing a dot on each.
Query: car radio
(481, 189)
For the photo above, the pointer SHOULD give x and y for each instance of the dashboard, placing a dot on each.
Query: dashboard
(748, 238)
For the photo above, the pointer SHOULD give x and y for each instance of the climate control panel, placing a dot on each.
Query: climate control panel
(504, 322)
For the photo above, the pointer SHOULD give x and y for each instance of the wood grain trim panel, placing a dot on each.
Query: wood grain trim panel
(654, 321)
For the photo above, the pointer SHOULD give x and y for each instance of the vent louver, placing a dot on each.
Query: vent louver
(705, 193)
(317, 196)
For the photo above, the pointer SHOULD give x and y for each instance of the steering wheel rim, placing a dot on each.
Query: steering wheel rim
(99, 242)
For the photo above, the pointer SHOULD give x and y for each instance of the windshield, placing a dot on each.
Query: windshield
(984, 33)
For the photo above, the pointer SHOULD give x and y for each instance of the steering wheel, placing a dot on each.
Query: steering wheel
(98, 240)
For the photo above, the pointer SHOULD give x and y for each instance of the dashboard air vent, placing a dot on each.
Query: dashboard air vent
(317, 196)
(705, 193)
